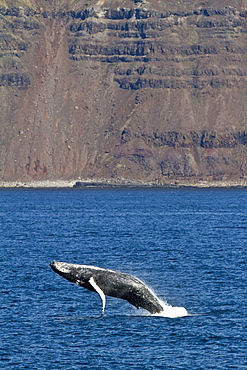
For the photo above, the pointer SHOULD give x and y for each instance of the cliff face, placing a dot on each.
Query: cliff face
(149, 90)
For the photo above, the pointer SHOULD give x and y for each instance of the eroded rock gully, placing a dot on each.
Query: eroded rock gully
(140, 90)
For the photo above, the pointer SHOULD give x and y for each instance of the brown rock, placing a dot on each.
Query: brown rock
(150, 92)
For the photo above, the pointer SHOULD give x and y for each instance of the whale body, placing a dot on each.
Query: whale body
(111, 283)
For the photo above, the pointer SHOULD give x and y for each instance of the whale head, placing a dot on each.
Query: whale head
(78, 274)
(60, 267)
(66, 270)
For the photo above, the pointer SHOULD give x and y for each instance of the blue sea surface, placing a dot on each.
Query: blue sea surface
(188, 245)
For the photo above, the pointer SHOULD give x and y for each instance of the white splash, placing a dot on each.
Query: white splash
(171, 311)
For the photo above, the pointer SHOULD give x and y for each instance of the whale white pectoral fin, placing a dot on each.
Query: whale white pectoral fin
(99, 291)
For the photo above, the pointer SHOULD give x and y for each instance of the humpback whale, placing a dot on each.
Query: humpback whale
(111, 283)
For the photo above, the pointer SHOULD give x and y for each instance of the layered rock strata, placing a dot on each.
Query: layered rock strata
(142, 91)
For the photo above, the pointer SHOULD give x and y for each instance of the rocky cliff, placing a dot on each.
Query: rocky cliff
(142, 90)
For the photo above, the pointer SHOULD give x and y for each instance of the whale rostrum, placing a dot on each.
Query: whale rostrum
(110, 283)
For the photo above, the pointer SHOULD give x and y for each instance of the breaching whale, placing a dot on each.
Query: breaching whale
(111, 283)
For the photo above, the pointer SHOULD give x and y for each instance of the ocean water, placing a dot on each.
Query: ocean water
(188, 245)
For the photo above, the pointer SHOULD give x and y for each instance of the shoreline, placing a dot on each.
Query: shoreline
(120, 183)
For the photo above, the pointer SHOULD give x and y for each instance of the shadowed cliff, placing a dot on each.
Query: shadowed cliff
(140, 90)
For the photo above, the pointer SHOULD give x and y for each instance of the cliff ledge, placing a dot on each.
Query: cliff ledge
(148, 91)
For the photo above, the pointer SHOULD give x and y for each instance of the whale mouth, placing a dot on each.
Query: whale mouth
(59, 267)
(53, 265)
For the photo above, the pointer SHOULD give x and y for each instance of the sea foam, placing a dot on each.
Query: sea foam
(171, 311)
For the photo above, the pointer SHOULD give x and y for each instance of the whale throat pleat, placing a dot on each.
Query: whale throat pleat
(99, 291)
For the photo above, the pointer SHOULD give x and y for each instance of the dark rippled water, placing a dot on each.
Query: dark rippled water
(188, 245)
